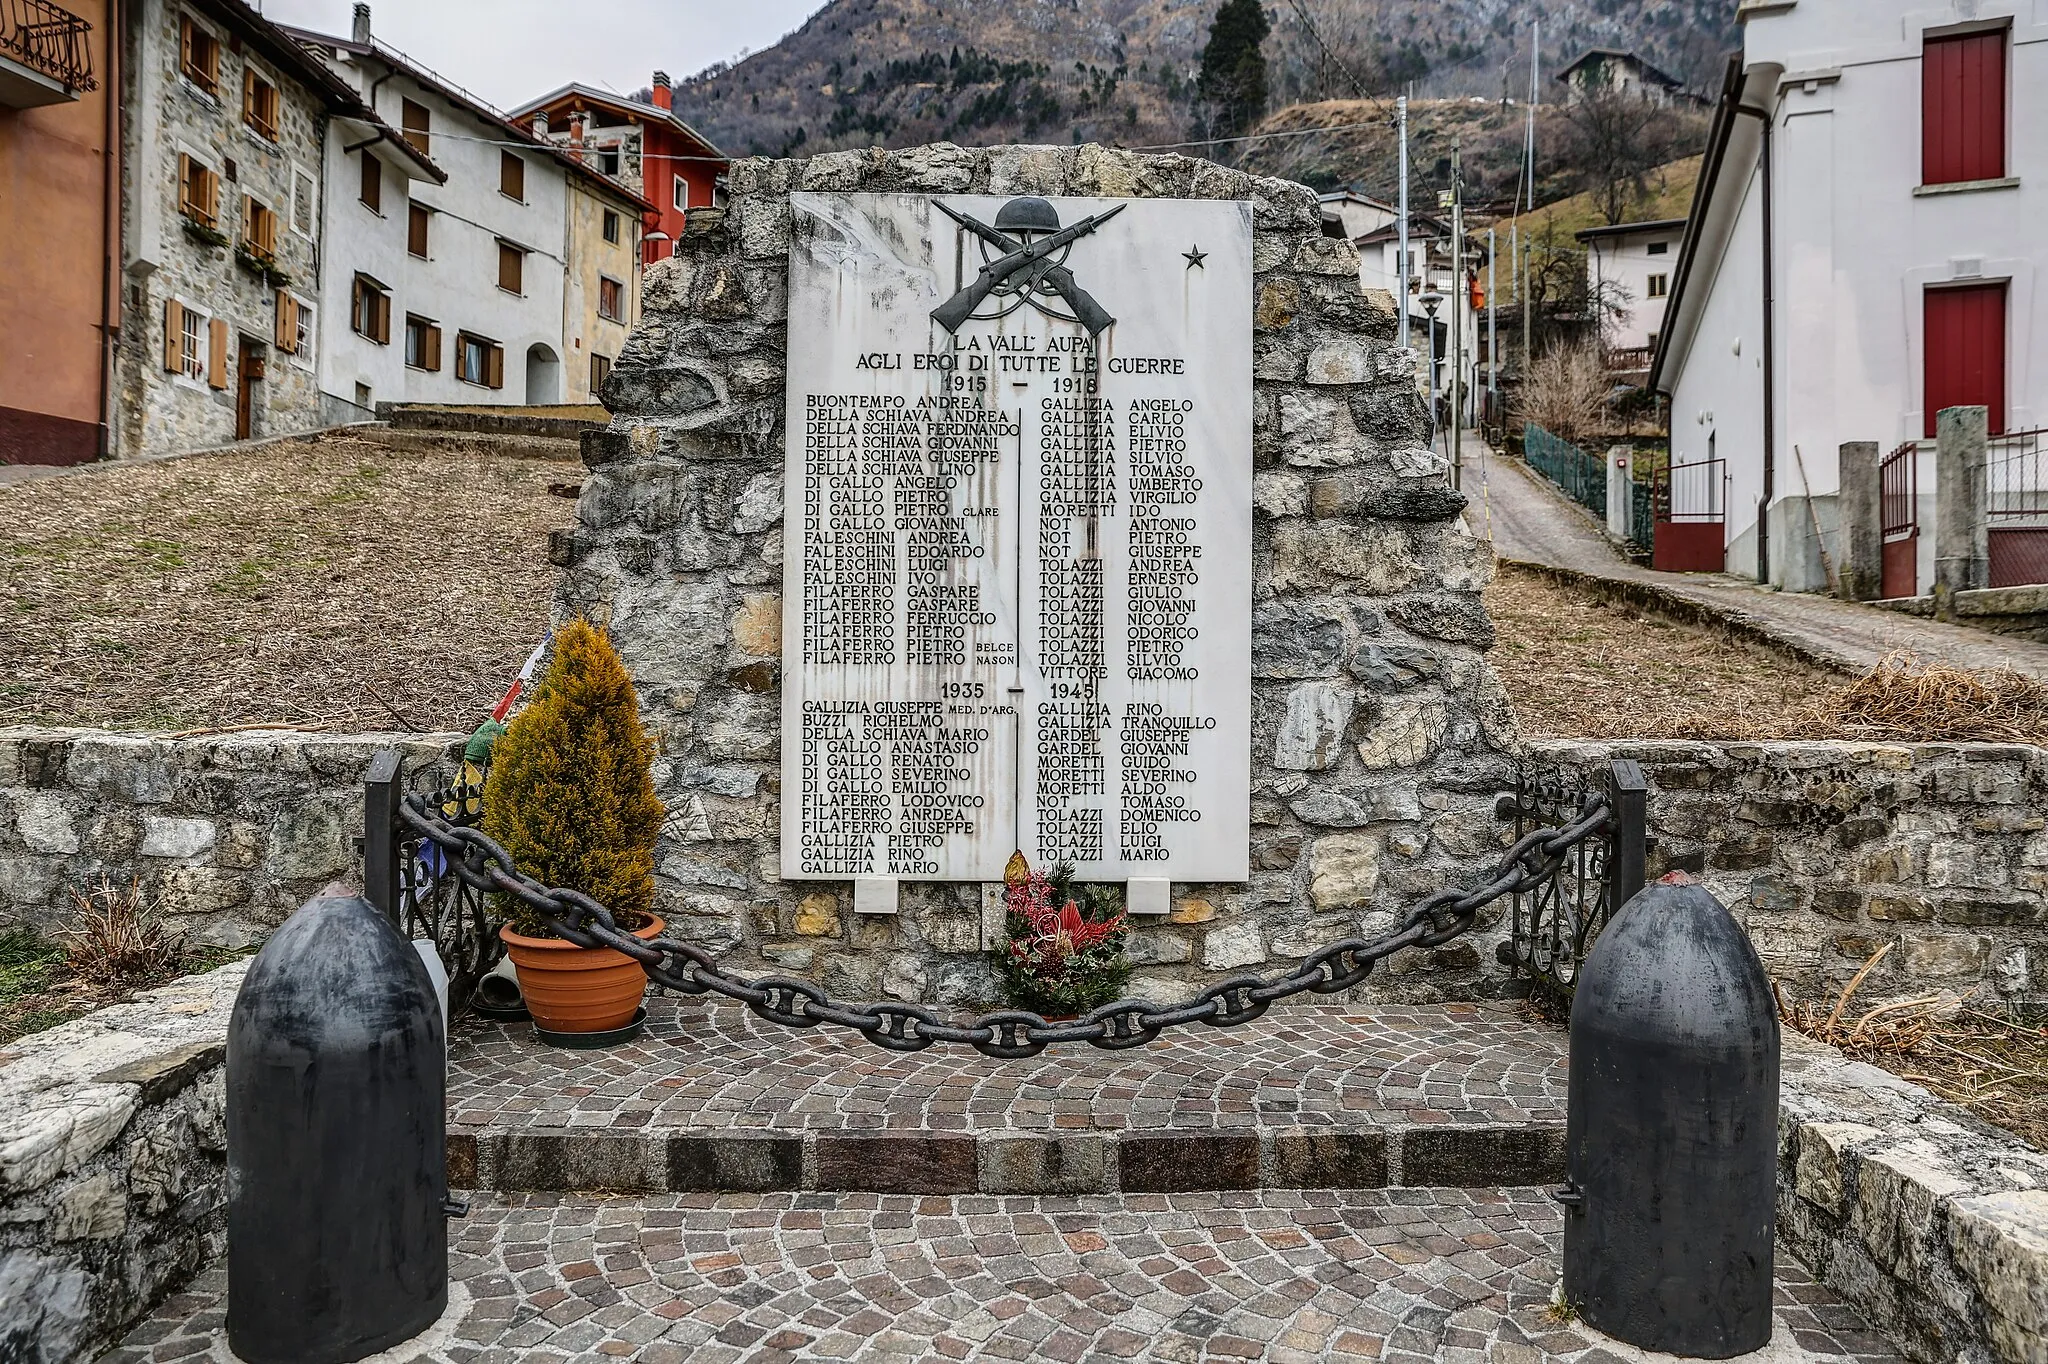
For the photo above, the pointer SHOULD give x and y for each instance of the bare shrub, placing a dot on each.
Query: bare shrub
(1566, 391)
(118, 936)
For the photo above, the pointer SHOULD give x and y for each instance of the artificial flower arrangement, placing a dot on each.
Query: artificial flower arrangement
(1065, 953)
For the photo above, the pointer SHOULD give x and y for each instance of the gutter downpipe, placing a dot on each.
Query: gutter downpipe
(1770, 356)
(110, 229)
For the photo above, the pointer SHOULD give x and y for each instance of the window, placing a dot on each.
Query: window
(198, 55)
(479, 360)
(305, 201)
(682, 193)
(416, 230)
(511, 268)
(1658, 248)
(259, 104)
(415, 120)
(185, 340)
(608, 161)
(611, 226)
(600, 370)
(1660, 285)
(611, 299)
(259, 228)
(422, 343)
(511, 177)
(370, 310)
(362, 395)
(1962, 109)
(294, 330)
(372, 193)
(198, 191)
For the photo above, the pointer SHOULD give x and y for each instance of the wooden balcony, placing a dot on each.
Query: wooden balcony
(45, 54)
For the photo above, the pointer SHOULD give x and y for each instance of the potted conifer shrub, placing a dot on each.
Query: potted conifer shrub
(571, 796)
(1065, 953)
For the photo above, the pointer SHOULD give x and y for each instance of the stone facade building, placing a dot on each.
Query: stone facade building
(224, 121)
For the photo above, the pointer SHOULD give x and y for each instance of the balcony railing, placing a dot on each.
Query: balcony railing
(47, 39)
(1630, 359)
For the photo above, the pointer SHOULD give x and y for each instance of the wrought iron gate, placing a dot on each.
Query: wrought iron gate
(2016, 509)
(1692, 518)
(1899, 511)
(429, 868)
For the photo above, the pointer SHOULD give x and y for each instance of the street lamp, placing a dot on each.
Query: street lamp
(1431, 301)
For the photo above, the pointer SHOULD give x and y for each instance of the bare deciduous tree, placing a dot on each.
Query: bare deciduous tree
(1565, 391)
(1616, 139)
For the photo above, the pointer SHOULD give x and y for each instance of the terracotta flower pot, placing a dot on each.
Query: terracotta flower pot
(577, 989)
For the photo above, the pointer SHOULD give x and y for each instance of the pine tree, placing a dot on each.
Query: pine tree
(570, 793)
(1233, 76)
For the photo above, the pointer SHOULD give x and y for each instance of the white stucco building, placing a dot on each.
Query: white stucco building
(1862, 251)
(1629, 266)
(1375, 229)
(449, 291)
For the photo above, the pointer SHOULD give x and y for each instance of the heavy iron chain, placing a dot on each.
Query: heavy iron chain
(479, 862)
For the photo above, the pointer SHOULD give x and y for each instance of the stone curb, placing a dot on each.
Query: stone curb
(1128, 1161)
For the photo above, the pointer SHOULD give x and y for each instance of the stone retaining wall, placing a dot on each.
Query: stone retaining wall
(112, 1166)
(1931, 1223)
(1827, 851)
(228, 832)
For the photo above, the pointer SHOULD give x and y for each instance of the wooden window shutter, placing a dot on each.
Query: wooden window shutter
(373, 182)
(217, 354)
(185, 42)
(248, 94)
(496, 375)
(433, 355)
(1962, 108)
(185, 204)
(287, 330)
(512, 176)
(416, 231)
(211, 208)
(174, 336)
(266, 231)
(383, 305)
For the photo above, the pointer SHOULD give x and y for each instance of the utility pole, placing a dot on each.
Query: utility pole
(1528, 308)
(1401, 294)
(1461, 300)
(1492, 322)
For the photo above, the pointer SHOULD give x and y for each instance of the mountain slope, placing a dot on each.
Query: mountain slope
(899, 72)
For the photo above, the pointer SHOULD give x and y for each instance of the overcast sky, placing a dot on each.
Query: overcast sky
(511, 51)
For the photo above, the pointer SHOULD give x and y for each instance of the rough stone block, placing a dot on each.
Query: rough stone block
(734, 1164)
(1481, 1157)
(580, 1161)
(1344, 870)
(920, 1164)
(1329, 1160)
(1240, 943)
(1819, 1159)
(1311, 737)
(1045, 1165)
(161, 1076)
(44, 821)
(2000, 1243)
(172, 836)
(1187, 1163)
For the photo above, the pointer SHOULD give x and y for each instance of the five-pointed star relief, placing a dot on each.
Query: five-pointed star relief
(1195, 255)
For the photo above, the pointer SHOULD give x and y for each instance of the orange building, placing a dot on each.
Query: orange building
(60, 214)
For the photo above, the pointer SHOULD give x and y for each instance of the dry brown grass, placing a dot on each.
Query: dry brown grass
(1582, 667)
(335, 584)
(1904, 698)
(117, 935)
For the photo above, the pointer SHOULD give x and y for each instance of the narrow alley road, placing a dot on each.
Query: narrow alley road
(1529, 521)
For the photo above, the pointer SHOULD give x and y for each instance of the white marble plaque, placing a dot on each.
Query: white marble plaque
(1017, 583)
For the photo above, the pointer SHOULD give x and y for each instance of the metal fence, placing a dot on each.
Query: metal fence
(1583, 477)
(48, 39)
(2016, 508)
(1898, 478)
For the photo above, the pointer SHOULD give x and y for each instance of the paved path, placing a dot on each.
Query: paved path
(1325, 1095)
(1529, 521)
(1408, 1276)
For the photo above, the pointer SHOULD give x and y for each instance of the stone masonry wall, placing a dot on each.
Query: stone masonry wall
(1827, 851)
(228, 833)
(1379, 730)
(113, 1166)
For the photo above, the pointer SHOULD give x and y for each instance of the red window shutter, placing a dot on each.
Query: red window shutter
(1962, 108)
(1965, 343)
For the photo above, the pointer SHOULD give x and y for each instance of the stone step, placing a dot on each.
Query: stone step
(1323, 1096)
(1402, 1276)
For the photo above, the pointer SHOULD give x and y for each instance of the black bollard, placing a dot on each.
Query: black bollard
(337, 1174)
(1672, 1135)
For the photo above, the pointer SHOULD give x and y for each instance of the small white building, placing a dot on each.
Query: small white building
(451, 291)
(1628, 271)
(1861, 253)
(1375, 229)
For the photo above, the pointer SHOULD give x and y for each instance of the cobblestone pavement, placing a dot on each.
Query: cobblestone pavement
(714, 1065)
(1406, 1275)
(1528, 521)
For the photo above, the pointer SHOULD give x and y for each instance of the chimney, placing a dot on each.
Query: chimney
(662, 98)
(540, 123)
(360, 31)
(576, 133)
